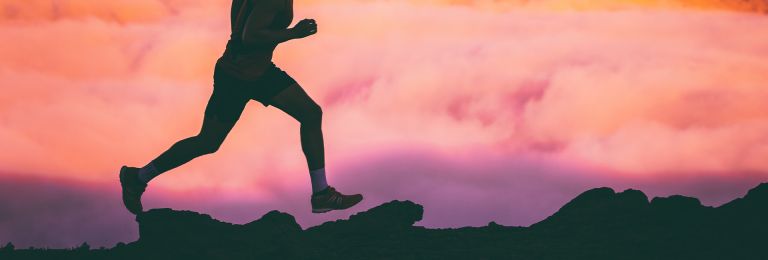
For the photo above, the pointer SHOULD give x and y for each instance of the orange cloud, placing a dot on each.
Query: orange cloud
(736, 5)
(635, 92)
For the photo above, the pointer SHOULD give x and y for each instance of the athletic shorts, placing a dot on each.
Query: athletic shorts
(231, 94)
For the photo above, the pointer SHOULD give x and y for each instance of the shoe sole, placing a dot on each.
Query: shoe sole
(124, 174)
(324, 210)
(321, 210)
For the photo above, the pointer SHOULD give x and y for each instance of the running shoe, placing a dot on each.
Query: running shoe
(330, 199)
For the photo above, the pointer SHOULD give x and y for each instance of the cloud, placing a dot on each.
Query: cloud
(636, 92)
(118, 11)
(423, 101)
(749, 5)
(153, 11)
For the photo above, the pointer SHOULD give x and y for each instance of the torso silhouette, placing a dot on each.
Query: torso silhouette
(249, 61)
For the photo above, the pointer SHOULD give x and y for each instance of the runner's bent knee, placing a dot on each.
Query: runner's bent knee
(208, 144)
(313, 116)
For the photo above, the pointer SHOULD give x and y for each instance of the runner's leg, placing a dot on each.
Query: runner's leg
(222, 112)
(295, 102)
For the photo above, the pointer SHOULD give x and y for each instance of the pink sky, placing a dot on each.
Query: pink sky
(507, 110)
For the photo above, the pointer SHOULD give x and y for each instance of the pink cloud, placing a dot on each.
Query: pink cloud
(635, 92)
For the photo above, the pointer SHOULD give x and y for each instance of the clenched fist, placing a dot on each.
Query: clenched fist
(305, 28)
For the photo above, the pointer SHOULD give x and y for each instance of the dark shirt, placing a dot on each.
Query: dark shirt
(249, 62)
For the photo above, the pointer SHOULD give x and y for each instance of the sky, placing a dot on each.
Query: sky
(479, 110)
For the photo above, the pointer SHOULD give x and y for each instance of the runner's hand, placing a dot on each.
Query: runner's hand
(305, 28)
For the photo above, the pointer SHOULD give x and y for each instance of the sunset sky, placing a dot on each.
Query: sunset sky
(479, 110)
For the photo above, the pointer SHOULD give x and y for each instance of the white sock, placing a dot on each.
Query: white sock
(148, 173)
(318, 180)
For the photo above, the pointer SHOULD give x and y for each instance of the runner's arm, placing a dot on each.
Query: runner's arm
(256, 32)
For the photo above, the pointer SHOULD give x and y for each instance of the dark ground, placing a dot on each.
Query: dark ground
(598, 224)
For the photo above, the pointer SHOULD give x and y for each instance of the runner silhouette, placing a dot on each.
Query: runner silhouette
(245, 71)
